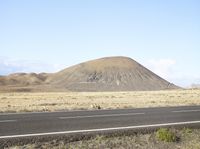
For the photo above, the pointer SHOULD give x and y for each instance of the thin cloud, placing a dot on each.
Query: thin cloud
(8, 66)
(162, 67)
(167, 69)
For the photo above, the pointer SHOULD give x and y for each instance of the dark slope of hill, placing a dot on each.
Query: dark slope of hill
(105, 74)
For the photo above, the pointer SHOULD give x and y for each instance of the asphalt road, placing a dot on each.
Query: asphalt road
(51, 123)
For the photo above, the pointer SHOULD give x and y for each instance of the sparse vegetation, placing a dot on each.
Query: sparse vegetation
(137, 141)
(164, 134)
(187, 131)
(95, 106)
(53, 101)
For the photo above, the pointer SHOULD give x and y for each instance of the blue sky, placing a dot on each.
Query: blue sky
(164, 36)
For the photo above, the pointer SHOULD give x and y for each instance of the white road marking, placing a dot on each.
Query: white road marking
(185, 111)
(7, 121)
(106, 115)
(101, 129)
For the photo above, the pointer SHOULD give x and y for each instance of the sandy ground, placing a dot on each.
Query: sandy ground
(54, 101)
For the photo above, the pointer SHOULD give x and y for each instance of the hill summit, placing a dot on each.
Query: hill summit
(104, 74)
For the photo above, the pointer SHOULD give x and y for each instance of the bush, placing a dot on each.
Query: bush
(95, 106)
(166, 135)
(187, 130)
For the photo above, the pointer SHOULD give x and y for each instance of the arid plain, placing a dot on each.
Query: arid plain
(58, 101)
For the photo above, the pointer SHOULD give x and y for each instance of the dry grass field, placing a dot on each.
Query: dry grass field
(55, 101)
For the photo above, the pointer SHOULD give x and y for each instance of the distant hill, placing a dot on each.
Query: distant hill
(23, 79)
(105, 74)
(195, 86)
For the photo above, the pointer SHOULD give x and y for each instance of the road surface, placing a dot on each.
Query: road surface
(54, 123)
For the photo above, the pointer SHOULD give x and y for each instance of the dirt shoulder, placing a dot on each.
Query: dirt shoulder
(186, 139)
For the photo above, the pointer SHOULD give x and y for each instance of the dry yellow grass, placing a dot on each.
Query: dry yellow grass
(54, 101)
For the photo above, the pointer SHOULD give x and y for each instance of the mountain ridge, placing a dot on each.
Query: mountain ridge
(105, 74)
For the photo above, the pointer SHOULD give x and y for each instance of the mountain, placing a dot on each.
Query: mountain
(105, 74)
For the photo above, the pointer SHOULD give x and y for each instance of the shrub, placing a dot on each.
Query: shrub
(187, 130)
(164, 134)
(96, 106)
